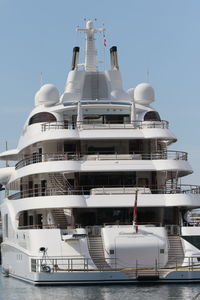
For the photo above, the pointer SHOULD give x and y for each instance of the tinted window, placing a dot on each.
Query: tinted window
(42, 117)
(152, 116)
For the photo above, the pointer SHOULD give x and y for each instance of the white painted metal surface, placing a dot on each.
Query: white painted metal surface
(81, 159)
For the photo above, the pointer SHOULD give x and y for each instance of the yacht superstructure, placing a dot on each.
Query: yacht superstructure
(94, 194)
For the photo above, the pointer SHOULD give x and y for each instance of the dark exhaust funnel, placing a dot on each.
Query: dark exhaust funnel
(113, 58)
(75, 58)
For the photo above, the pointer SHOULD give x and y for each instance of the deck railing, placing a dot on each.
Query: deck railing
(91, 230)
(114, 190)
(80, 264)
(39, 226)
(37, 158)
(95, 230)
(69, 264)
(88, 125)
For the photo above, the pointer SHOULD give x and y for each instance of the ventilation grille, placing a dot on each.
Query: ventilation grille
(95, 86)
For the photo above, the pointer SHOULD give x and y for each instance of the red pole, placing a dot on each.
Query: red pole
(135, 225)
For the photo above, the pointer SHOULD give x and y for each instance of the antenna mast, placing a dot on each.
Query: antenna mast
(90, 50)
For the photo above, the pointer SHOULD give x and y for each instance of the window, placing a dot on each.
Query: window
(115, 119)
(42, 117)
(152, 116)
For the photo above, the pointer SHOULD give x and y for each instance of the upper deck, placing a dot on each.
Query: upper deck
(93, 105)
(85, 131)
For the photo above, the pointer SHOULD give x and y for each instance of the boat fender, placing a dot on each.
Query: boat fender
(5, 272)
(45, 268)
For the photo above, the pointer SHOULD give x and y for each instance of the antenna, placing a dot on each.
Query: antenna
(148, 76)
(7, 150)
(104, 47)
(41, 79)
(90, 50)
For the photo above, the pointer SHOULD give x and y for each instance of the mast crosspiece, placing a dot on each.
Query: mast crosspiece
(90, 50)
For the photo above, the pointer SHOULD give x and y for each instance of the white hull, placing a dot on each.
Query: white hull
(77, 271)
(104, 277)
(93, 195)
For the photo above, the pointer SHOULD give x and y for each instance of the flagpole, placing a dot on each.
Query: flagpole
(104, 48)
(135, 225)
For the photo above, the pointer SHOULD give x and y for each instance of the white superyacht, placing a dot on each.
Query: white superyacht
(92, 193)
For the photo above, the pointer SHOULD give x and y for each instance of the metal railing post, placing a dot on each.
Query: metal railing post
(136, 269)
(68, 265)
(71, 265)
(156, 266)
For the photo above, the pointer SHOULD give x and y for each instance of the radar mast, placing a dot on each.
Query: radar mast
(90, 50)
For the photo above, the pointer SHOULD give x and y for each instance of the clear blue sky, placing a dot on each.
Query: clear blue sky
(156, 35)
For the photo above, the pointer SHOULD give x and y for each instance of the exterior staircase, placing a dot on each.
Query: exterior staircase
(56, 182)
(60, 218)
(97, 253)
(175, 254)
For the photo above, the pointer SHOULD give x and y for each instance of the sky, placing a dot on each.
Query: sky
(156, 39)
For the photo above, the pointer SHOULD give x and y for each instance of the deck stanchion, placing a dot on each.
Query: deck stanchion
(136, 269)
(156, 266)
(71, 265)
(68, 265)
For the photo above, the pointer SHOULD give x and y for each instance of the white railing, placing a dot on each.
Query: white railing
(49, 264)
(119, 190)
(87, 126)
(68, 264)
(112, 190)
(37, 158)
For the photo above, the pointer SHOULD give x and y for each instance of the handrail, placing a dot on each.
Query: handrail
(139, 155)
(95, 230)
(108, 190)
(88, 125)
(89, 228)
(83, 264)
(148, 224)
(69, 264)
(39, 226)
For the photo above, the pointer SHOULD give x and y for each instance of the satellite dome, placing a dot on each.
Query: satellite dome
(131, 92)
(144, 94)
(48, 95)
(119, 94)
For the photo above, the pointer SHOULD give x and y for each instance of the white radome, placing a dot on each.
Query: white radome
(144, 94)
(118, 94)
(48, 95)
(131, 93)
(89, 24)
